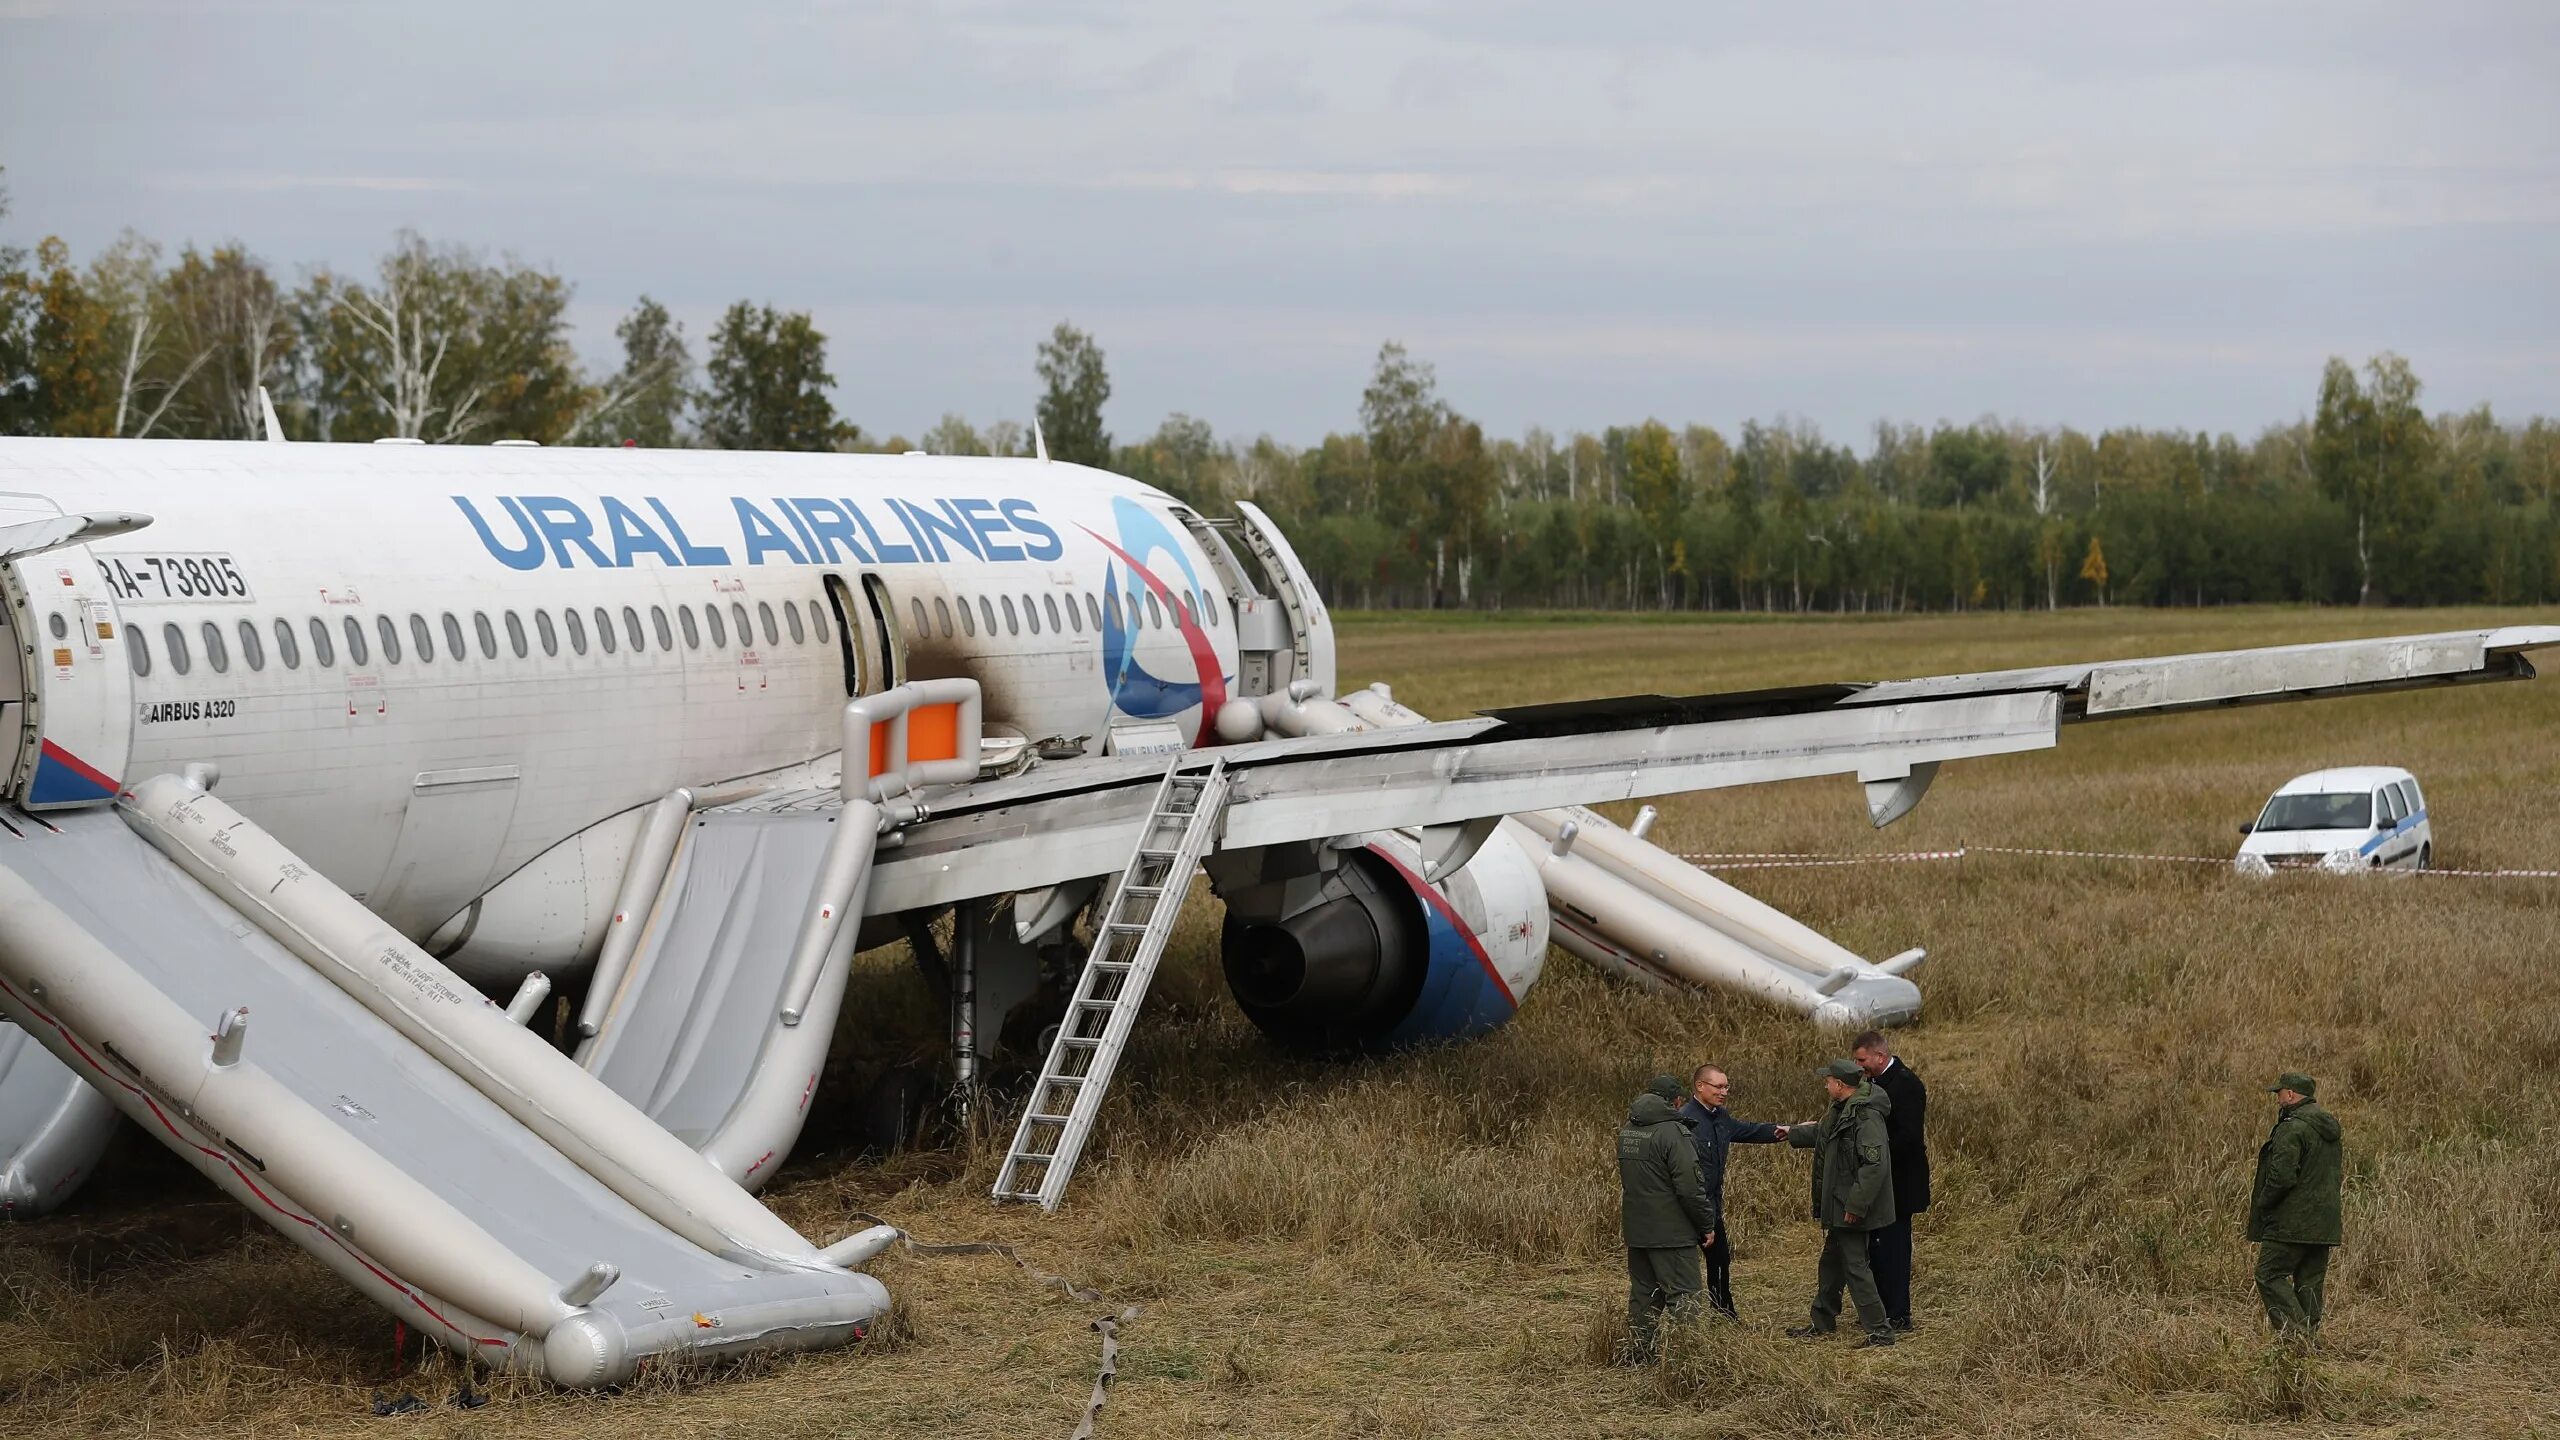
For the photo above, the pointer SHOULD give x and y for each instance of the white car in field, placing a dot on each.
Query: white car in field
(2363, 817)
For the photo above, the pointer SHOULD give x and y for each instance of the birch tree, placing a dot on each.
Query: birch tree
(442, 346)
(644, 402)
(2370, 447)
(17, 335)
(226, 311)
(953, 435)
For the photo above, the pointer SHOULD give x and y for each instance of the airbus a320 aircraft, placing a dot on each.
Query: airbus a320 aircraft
(313, 750)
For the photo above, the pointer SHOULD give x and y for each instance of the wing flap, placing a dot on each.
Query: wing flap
(1050, 826)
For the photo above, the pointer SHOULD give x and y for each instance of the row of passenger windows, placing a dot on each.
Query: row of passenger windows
(421, 643)
(1200, 609)
(421, 640)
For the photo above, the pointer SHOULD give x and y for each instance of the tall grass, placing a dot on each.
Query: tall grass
(1425, 1245)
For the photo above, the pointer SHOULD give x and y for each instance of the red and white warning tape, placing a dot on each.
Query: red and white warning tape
(1800, 859)
(1800, 862)
(2100, 854)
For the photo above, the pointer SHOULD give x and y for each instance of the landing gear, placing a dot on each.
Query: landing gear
(981, 982)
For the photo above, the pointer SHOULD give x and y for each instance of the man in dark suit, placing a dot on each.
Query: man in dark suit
(1714, 1132)
(1889, 1248)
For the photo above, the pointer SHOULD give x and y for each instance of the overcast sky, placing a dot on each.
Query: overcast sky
(1582, 213)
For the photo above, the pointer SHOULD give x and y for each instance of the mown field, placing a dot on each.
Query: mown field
(1425, 1245)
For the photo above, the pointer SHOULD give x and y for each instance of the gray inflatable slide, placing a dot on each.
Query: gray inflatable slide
(378, 1112)
(53, 1127)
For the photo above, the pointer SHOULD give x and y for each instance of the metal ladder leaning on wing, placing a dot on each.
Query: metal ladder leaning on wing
(1127, 943)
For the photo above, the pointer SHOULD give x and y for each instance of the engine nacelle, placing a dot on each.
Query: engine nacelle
(1345, 945)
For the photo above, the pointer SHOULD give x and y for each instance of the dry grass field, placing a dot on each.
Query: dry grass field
(1425, 1245)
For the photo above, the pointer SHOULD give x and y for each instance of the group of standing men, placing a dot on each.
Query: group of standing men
(1870, 1176)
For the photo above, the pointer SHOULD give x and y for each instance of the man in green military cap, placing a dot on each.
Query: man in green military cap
(1852, 1195)
(1662, 1210)
(2294, 1206)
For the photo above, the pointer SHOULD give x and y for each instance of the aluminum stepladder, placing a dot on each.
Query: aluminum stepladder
(1128, 941)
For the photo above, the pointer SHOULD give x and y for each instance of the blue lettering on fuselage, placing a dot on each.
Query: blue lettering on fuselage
(553, 530)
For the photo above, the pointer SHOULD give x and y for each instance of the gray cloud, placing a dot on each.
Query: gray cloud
(1583, 214)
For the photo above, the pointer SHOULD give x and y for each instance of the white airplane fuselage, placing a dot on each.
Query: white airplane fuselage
(423, 668)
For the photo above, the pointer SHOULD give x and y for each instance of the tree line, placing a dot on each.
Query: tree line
(2367, 500)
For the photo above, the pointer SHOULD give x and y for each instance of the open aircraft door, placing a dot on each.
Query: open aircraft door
(867, 633)
(66, 713)
(1299, 621)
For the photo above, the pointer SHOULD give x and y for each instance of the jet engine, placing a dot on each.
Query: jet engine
(1344, 946)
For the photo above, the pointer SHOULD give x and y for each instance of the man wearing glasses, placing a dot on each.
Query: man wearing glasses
(1716, 1133)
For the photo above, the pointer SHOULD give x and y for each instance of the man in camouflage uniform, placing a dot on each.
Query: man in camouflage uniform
(1662, 1212)
(1852, 1196)
(2294, 1207)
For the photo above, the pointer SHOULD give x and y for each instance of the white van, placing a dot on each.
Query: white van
(2363, 817)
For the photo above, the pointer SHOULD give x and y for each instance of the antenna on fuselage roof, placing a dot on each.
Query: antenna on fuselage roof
(1039, 442)
(267, 412)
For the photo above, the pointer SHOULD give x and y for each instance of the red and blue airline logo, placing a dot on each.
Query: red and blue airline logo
(1134, 690)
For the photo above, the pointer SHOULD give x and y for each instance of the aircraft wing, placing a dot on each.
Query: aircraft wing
(1075, 819)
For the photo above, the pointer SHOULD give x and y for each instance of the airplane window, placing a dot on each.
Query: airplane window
(1093, 611)
(1030, 615)
(545, 631)
(1075, 617)
(746, 631)
(1050, 603)
(800, 632)
(1155, 612)
(719, 627)
(515, 635)
(422, 639)
(216, 654)
(253, 651)
(1137, 617)
(817, 623)
(923, 626)
(942, 613)
(137, 651)
(692, 627)
(968, 617)
(1111, 608)
(487, 633)
(658, 622)
(355, 641)
(1211, 601)
(288, 649)
(631, 627)
(577, 630)
(174, 640)
(453, 645)
(1190, 607)
(604, 631)
(772, 632)
(324, 651)
(388, 630)
(1012, 626)
(987, 612)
